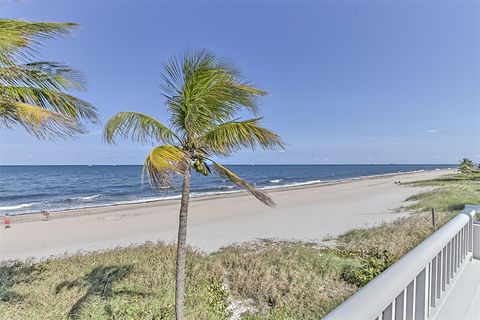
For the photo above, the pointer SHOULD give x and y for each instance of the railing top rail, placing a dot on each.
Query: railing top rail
(371, 300)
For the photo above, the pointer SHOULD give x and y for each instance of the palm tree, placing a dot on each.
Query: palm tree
(35, 94)
(204, 94)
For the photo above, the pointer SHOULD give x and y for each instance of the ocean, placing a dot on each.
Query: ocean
(29, 189)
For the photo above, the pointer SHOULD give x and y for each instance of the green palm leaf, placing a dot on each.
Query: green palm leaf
(21, 38)
(49, 75)
(202, 90)
(232, 136)
(224, 172)
(56, 101)
(139, 127)
(162, 162)
(39, 122)
(36, 93)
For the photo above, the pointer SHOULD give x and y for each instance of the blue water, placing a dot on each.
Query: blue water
(27, 189)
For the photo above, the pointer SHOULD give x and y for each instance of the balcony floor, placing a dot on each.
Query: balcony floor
(463, 302)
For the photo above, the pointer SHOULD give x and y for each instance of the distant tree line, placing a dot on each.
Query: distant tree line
(468, 166)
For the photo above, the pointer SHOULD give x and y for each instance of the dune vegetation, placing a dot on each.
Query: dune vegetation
(264, 280)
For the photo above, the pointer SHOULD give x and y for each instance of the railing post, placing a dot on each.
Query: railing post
(474, 232)
(473, 226)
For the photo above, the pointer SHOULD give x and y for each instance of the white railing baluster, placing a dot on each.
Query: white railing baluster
(421, 295)
(444, 268)
(470, 235)
(461, 245)
(400, 306)
(455, 255)
(433, 282)
(388, 312)
(459, 249)
(410, 300)
(439, 277)
(452, 262)
(449, 262)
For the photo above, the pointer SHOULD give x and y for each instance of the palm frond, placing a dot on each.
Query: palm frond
(163, 162)
(232, 136)
(39, 122)
(224, 172)
(202, 90)
(34, 94)
(47, 75)
(139, 127)
(53, 100)
(21, 38)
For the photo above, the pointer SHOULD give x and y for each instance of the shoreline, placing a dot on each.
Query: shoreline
(61, 213)
(303, 213)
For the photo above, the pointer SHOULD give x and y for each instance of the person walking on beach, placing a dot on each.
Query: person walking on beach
(6, 221)
(46, 215)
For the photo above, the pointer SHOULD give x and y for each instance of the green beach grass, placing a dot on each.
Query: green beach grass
(271, 280)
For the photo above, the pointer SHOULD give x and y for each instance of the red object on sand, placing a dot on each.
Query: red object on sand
(6, 221)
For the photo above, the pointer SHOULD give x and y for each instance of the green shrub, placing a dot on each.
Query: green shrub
(373, 262)
(218, 297)
(467, 166)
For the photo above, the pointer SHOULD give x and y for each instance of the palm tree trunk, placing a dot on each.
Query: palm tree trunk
(182, 247)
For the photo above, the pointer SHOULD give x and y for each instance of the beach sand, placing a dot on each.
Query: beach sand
(306, 213)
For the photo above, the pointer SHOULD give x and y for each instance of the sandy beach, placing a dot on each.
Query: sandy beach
(306, 213)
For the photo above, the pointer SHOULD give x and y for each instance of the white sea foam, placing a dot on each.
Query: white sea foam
(275, 180)
(226, 187)
(143, 200)
(85, 198)
(95, 196)
(293, 184)
(20, 206)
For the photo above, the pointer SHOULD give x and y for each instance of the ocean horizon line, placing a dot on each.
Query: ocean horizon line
(243, 164)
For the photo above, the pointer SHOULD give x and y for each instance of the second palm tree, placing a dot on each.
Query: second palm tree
(204, 95)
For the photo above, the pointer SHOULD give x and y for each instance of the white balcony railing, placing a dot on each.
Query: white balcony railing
(416, 285)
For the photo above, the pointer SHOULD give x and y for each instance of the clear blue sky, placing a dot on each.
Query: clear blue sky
(348, 82)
